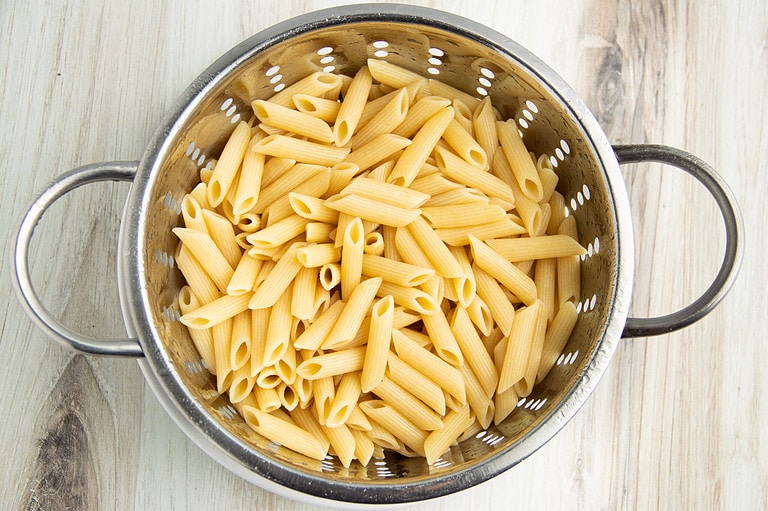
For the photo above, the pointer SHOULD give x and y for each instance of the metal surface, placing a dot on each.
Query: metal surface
(466, 55)
(109, 171)
(734, 231)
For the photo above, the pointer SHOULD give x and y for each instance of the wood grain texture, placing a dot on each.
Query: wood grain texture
(677, 422)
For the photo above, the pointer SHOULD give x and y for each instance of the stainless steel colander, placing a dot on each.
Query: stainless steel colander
(468, 56)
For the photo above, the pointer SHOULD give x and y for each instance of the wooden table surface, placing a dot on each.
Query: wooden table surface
(678, 422)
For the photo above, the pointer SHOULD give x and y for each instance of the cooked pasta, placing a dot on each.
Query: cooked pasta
(376, 261)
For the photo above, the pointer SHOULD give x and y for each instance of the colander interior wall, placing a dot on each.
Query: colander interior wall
(462, 59)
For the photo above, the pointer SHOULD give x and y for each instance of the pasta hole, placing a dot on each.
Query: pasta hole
(241, 355)
(239, 389)
(245, 206)
(450, 357)
(343, 133)
(226, 381)
(310, 369)
(466, 291)
(251, 417)
(533, 189)
(399, 181)
(268, 381)
(477, 157)
(185, 296)
(304, 104)
(214, 190)
(355, 233)
(260, 111)
(418, 280)
(298, 205)
(426, 304)
(326, 79)
(198, 323)
(338, 417)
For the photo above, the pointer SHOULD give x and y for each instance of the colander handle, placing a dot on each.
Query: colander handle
(734, 240)
(108, 171)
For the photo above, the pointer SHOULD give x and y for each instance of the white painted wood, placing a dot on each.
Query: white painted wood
(678, 422)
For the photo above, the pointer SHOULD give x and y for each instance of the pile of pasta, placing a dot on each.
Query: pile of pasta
(377, 262)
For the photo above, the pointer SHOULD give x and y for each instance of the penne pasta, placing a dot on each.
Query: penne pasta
(491, 293)
(324, 109)
(396, 272)
(387, 119)
(373, 244)
(443, 339)
(438, 370)
(540, 247)
(518, 346)
(284, 433)
(516, 154)
(312, 208)
(300, 177)
(373, 210)
(379, 340)
(303, 151)
(277, 281)
(352, 257)
(357, 306)
(192, 213)
(385, 192)
(277, 234)
(443, 261)
(345, 400)
(437, 442)
(201, 285)
(465, 145)
(410, 298)
(393, 421)
(392, 75)
(352, 107)
(409, 406)
(315, 255)
(292, 121)
(202, 339)
(213, 313)
(228, 164)
(379, 149)
(303, 297)
(473, 350)
(278, 337)
(424, 141)
(420, 385)
(503, 271)
(484, 124)
(332, 364)
(462, 172)
(557, 336)
(460, 236)
(568, 269)
(480, 402)
(317, 84)
(314, 336)
(240, 344)
(462, 215)
(202, 247)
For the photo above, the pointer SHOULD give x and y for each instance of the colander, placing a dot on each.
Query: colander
(466, 55)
